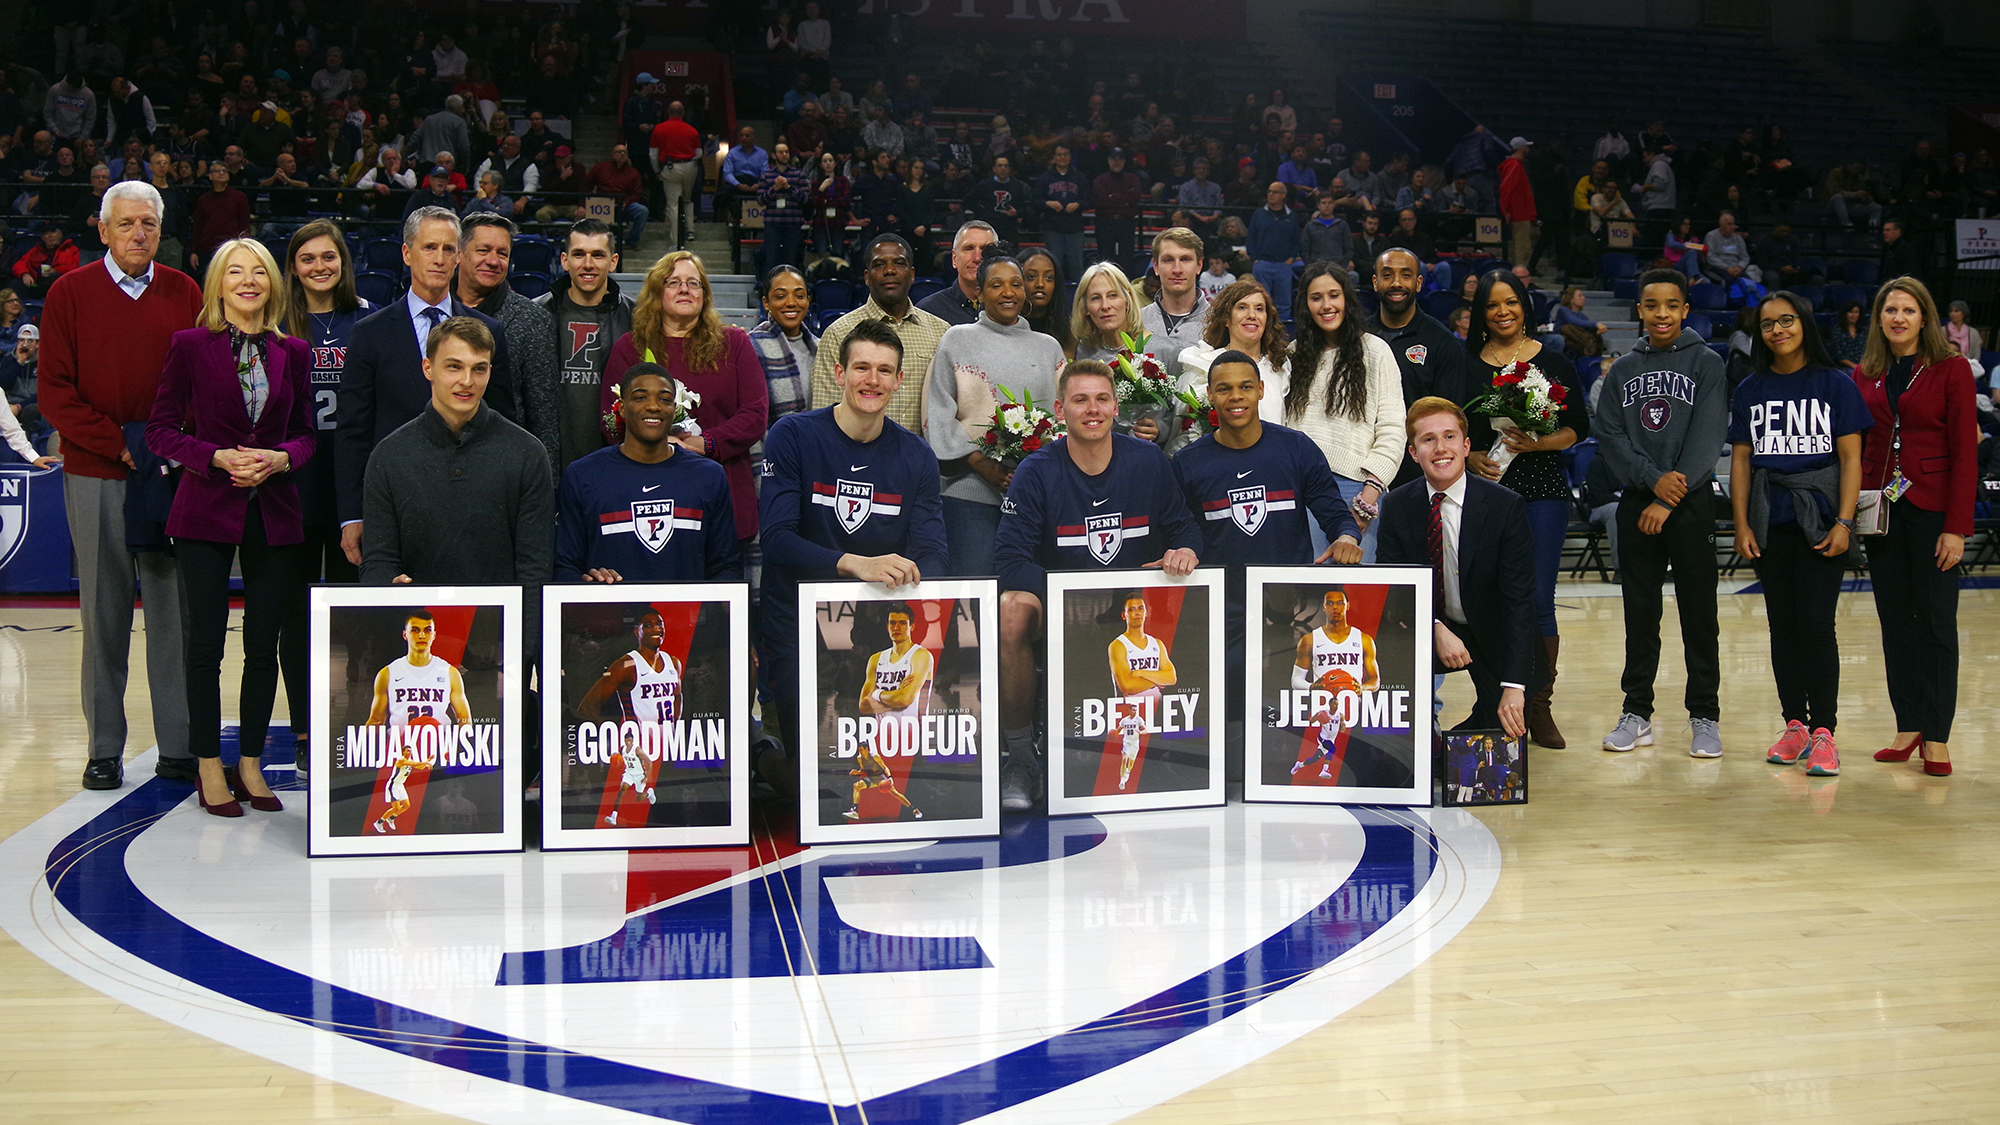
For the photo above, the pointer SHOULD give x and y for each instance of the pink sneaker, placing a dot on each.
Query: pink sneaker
(1822, 760)
(1791, 745)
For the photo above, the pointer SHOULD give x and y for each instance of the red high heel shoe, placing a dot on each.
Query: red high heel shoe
(1936, 769)
(220, 808)
(242, 792)
(1892, 754)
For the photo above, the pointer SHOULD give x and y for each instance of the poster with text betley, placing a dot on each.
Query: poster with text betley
(645, 715)
(1135, 661)
(899, 711)
(416, 720)
(1337, 695)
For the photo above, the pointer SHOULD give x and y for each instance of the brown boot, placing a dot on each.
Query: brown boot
(1541, 721)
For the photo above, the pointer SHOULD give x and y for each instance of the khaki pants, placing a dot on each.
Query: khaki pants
(1521, 242)
(680, 182)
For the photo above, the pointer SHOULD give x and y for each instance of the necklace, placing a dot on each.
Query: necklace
(1515, 358)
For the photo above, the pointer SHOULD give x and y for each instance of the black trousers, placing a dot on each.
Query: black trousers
(1116, 240)
(269, 578)
(1801, 592)
(318, 559)
(1918, 605)
(1686, 544)
(1485, 673)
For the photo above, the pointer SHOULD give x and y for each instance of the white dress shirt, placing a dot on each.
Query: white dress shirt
(133, 287)
(1451, 515)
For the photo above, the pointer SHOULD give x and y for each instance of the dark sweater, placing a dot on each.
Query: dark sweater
(460, 509)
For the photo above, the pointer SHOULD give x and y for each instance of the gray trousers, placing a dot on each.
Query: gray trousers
(106, 571)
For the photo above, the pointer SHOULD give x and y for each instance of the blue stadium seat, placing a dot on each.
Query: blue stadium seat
(1588, 368)
(1813, 265)
(529, 285)
(1618, 266)
(533, 254)
(1860, 271)
(1721, 348)
(384, 254)
(1438, 304)
(1814, 293)
(1368, 301)
(1625, 289)
(1838, 295)
(1709, 298)
(923, 287)
(380, 288)
(1484, 266)
(1700, 325)
(833, 293)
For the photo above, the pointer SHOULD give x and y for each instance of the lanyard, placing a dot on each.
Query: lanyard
(1896, 483)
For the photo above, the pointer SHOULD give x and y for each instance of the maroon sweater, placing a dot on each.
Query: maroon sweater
(734, 412)
(102, 353)
(218, 217)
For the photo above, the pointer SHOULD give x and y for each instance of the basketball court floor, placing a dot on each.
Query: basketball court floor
(1650, 938)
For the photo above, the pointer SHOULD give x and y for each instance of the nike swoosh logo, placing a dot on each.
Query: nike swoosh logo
(1244, 473)
(1095, 503)
(856, 468)
(649, 488)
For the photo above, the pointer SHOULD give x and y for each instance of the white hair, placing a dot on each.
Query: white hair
(132, 189)
(958, 240)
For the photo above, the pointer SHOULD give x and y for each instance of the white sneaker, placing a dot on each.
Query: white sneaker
(1631, 731)
(1707, 738)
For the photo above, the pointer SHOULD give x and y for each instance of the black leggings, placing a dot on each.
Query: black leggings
(320, 555)
(1801, 593)
(1918, 604)
(269, 577)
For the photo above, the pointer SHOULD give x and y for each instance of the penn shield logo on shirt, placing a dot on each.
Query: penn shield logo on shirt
(1248, 507)
(853, 501)
(1104, 535)
(653, 521)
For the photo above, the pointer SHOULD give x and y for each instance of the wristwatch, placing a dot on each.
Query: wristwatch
(1848, 524)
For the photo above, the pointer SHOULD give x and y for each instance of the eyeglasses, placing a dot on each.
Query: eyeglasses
(681, 283)
(1785, 321)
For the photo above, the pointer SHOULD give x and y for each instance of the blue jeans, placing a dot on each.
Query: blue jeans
(969, 530)
(1548, 520)
(1349, 489)
(1276, 278)
(1068, 251)
(781, 245)
(1690, 264)
(635, 223)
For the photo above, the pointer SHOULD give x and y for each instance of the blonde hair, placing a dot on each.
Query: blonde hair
(1178, 236)
(275, 301)
(1932, 344)
(649, 317)
(1082, 328)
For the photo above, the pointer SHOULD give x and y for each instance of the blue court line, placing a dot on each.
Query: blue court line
(87, 875)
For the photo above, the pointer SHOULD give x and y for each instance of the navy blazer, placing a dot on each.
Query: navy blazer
(198, 383)
(383, 386)
(1496, 566)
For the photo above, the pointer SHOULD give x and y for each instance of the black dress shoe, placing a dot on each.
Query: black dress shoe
(176, 769)
(104, 773)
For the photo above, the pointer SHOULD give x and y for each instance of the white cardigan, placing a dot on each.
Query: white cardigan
(1358, 450)
(1195, 363)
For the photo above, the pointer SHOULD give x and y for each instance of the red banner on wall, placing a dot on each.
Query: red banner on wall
(1140, 19)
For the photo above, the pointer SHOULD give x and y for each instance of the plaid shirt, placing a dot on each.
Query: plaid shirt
(791, 390)
(920, 332)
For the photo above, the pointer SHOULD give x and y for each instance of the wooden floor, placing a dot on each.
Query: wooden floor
(1671, 940)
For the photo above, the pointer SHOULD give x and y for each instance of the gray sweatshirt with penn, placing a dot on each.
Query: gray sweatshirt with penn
(1663, 410)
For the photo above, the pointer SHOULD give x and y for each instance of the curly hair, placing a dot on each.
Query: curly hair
(1274, 344)
(705, 341)
(1347, 389)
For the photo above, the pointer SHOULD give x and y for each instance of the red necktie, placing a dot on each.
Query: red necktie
(1437, 551)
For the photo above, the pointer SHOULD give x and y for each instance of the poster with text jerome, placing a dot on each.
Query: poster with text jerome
(899, 710)
(1338, 685)
(645, 729)
(416, 736)
(1135, 662)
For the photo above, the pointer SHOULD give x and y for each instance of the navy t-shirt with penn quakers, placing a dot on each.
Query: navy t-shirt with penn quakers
(666, 522)
(1252, 502)
(1791, 423)
(1057, 517)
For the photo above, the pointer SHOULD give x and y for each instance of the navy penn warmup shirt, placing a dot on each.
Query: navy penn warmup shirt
(670, 522)
(1057, 517)
(826, 495)
(1252, 503)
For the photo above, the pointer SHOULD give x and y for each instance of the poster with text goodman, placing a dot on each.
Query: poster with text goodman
(1338, 685)
(899, 711)
(645, 715)
(416, 720)
(1135, 663)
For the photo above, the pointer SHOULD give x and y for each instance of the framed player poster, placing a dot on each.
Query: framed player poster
(1484, 767)
(1135, 663)
(645, 715)
(899, 707)
(1337, 699)
(416, 720)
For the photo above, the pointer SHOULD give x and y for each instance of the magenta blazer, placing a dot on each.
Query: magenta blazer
(198, 385)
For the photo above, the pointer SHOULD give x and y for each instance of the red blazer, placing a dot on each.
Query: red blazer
(1940, 440)
(199, 381)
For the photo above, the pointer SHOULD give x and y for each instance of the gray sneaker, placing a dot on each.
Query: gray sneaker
(1631, 731)
(1707, 742)
(1020, 784)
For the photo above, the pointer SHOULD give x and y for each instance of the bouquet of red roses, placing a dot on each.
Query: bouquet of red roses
(1200, 416)
(1522, 396)
(1019, 428)
(1138, 376)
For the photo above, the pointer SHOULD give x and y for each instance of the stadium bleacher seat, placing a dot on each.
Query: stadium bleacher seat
(1814, 293)
(1439, 304)
(923, 287)
(1860, 271)
(835, 293)
(1709, 298)
(1838, 295)
(529, 285)
(380, 288)
(1616, 265)
(1701, 325)
(533, 254)
(384, 254)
